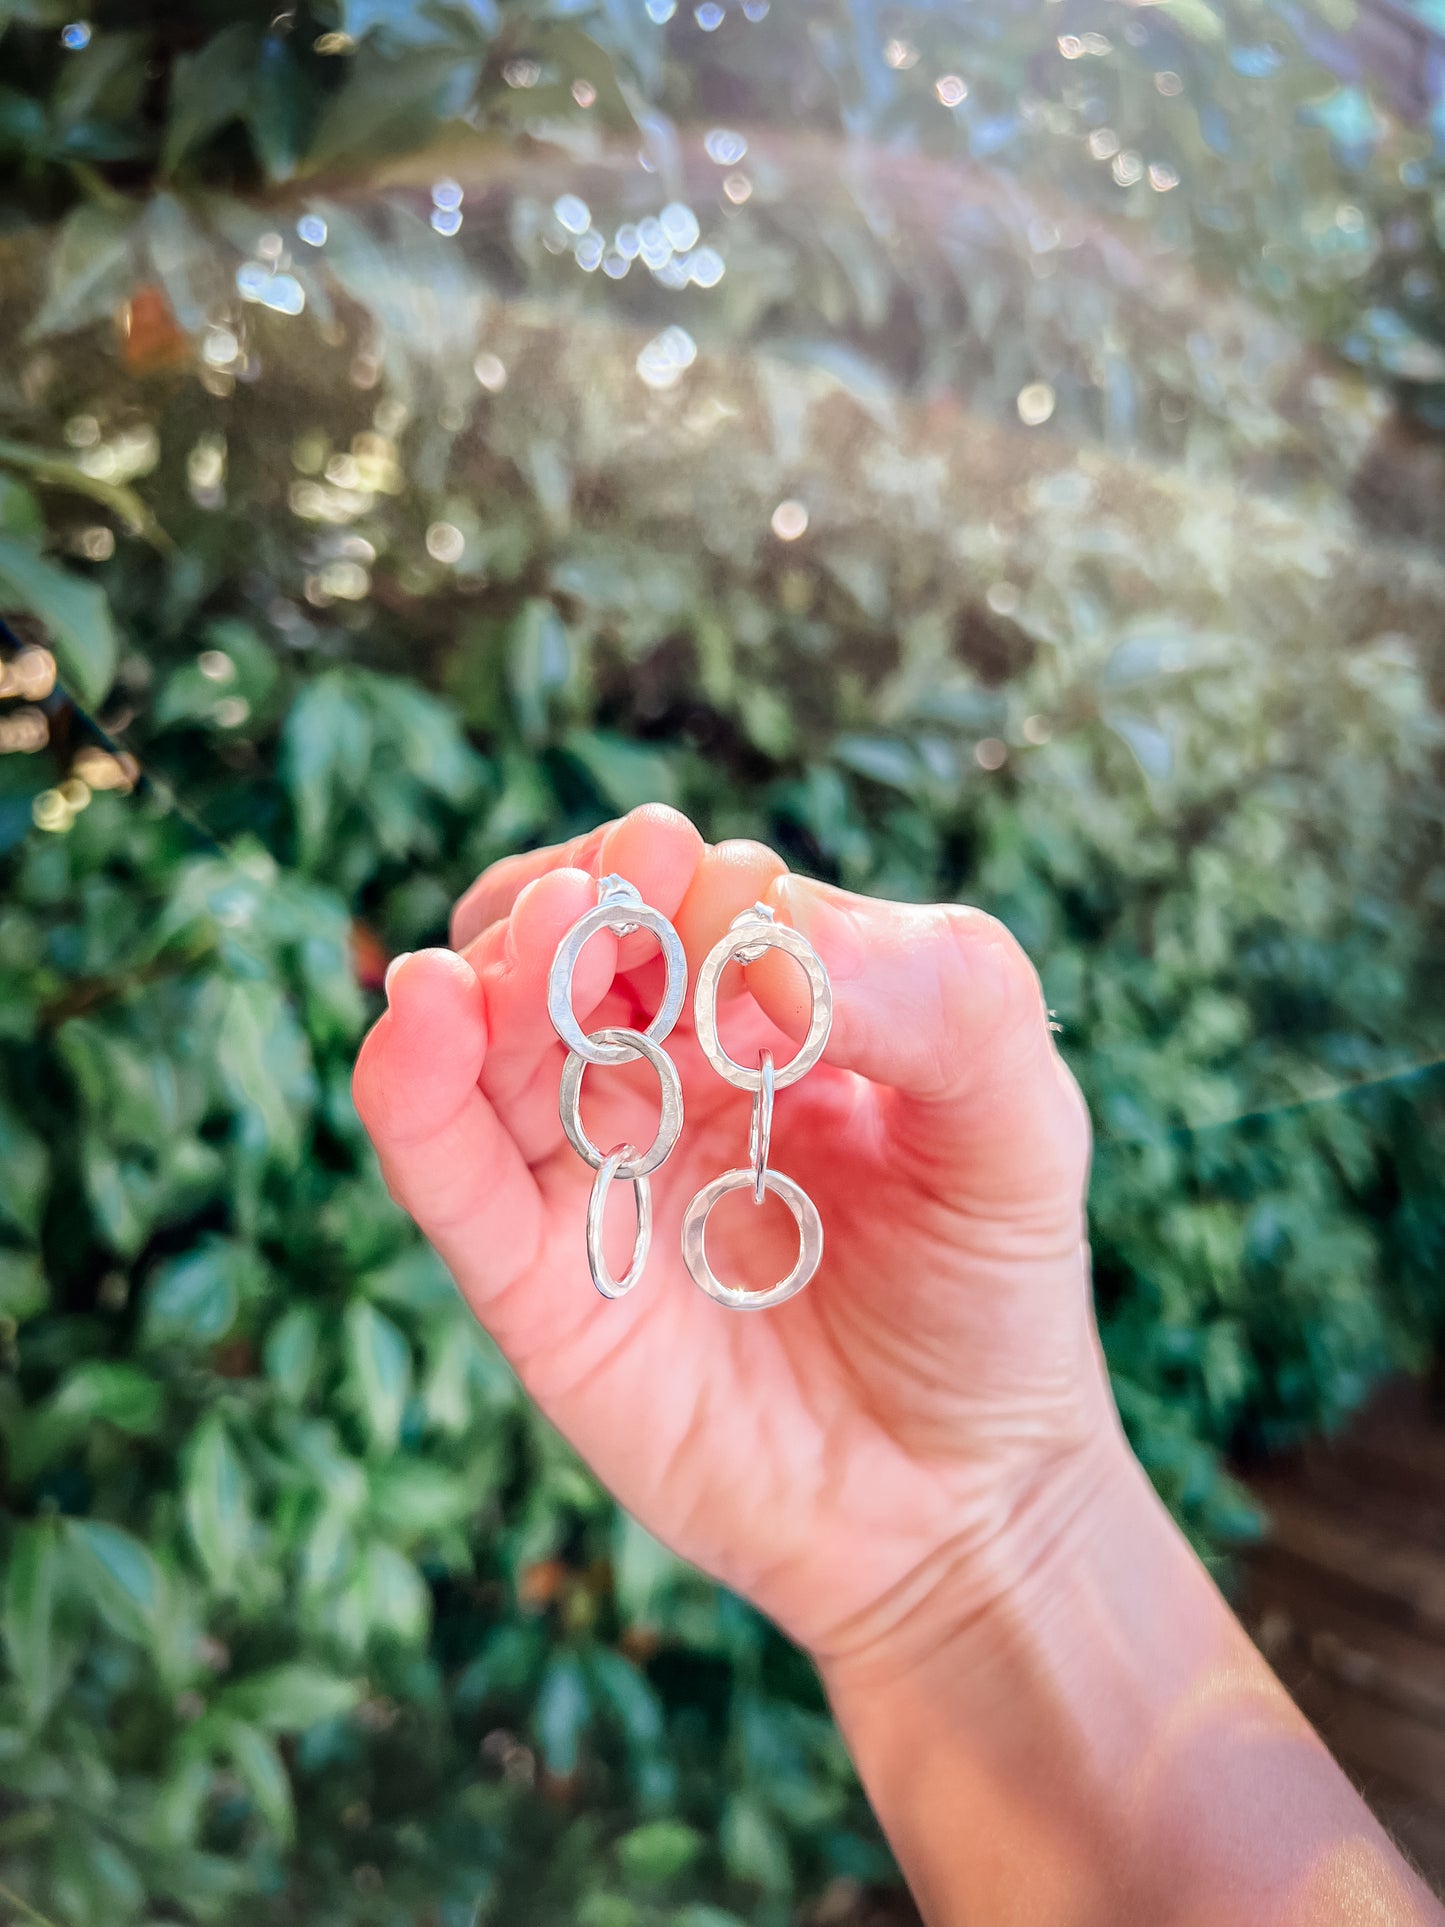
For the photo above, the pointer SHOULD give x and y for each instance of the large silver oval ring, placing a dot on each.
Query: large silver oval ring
(611, 1167)
(622, 915)
(752, 935)
(694, 1241)
(627, 1044)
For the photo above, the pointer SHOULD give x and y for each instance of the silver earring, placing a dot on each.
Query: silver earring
(748, 936)
(619, 908)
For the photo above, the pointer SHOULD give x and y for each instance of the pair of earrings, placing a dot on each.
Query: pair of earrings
(620, 908)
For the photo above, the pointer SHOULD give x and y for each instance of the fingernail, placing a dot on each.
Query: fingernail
(391, 970)
(822, 914)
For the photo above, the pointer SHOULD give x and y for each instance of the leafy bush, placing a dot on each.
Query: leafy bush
(305, 1616)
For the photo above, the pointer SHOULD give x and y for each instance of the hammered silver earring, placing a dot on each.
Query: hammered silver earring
(748, 936)
(619, 908)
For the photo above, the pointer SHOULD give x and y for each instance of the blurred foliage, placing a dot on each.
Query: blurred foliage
(388, 488)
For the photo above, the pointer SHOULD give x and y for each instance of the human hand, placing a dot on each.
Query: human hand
(898, 1441)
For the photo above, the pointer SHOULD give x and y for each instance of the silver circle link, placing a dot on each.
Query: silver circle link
(620, 913)
(760, 1131)
(612, 1166)
(747, 938)
(627, 1045)
(694, 1241)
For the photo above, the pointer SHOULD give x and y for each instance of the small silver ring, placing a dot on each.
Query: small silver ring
(760, 1131)
(620, 917)
(610, 1168)
(628, 1044)
(754, 936)
(694, 1237)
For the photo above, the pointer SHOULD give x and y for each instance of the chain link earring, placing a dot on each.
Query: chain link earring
(619, 908)
(748, 936)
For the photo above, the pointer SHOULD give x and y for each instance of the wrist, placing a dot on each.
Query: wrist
(1087, 1735)
(993, 1579)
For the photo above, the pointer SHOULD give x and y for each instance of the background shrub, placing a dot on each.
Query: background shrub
(1109, 391)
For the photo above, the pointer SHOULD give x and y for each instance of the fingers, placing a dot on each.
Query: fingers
(491, 897)
(657, 841)
(654, 848)
(733, 877)
(657, 850)
(940, 1003)
(446, 1156)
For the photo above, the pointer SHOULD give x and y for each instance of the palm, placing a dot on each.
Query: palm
(717, 1427)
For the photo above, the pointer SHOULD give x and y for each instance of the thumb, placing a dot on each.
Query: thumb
(939, 1004)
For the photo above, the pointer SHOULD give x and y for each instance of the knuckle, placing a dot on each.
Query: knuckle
(746, 852)
(983, 945)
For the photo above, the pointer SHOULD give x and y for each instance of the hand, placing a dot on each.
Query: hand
(932, 1408)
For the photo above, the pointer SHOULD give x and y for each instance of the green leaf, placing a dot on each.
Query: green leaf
(289, 1699)
(379, 1371)
(263, 1772)
(290, 1351)
(53, 470)
(754, 1848)
(882, 758)
(1197, 18)
(643, 1570)
(281, 109)
(208, 89)
(20, 511)
(23, 1290)
(194, 1298)
(629, 1697)
(404, 24)
(92, 267)
(75, 614)
(24, 1167)
(113, 1391)
(217, 1501)
(562, 1711)
(658, 1852)
(30, 1583)
(121, 1576)
(266, 1068)
(387, 1596)
(325, 755)
(539, 663)
(624, 773)
(1152, 748)
(412, 1500)
(122, 1195)
(390, 103)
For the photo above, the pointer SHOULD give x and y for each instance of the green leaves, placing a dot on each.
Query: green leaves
(289, 1698)
(326, 751)
(23, 1168)
(262, 1771)
(92, 266)
(193, 1299)
(75, 614)
(121, 1576)
(217, 1501)
(563, 1710)
(33, 1563)
(282, 108)
(390, 103)
(241, 74)
(657, 1853)
(208, 89)
(539, 662)
(1134, 681)
(378, 1372)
